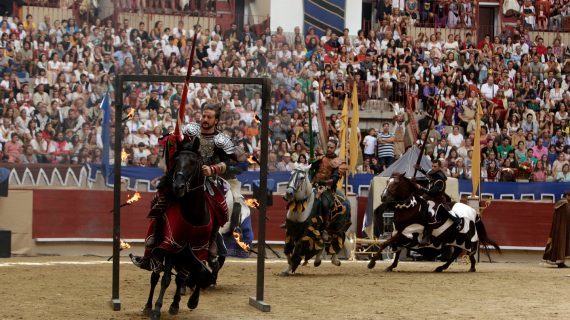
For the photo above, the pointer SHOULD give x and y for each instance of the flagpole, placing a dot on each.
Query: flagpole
(423, 147)
(311, 139)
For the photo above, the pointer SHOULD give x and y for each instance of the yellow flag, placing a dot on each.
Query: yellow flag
(354, 149)
(476, 156)
(343, 132)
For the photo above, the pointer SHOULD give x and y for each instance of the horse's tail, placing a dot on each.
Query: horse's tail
(484, 237)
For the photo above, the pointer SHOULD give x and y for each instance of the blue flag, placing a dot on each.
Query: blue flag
(105, 134)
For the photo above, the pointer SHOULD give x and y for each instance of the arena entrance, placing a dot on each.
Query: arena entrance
(120, 113)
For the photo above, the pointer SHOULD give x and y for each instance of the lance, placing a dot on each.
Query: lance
(423, 147)
(182, 109)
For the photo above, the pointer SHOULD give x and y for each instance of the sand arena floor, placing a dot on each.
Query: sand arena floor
(80, 288)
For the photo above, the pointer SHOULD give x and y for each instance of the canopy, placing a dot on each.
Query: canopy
(406, 164)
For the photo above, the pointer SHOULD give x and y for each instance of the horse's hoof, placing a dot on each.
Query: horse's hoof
(147, 311)
(173, 310)
(371, 264)
(336, 262)
(317, 262)
(472, 270)
(439, 269)
(389, 269)
(284, 274)
(155, 315)
(193, 302)
(305, 263)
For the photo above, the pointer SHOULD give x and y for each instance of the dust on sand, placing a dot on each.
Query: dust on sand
(351, 291)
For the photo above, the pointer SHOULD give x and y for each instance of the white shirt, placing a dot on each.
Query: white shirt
(489, 91)
(370, 144)
(455, 140)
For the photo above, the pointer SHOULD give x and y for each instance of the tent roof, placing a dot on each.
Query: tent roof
(406, 164)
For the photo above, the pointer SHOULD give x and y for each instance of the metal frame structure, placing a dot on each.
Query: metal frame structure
(265, 83)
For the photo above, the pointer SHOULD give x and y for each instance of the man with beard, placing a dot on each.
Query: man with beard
(325, 173)
(219, 157)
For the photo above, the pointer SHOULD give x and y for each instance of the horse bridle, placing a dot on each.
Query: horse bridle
(295, 182)
(194, 173)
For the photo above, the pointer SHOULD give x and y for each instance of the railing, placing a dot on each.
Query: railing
(48, 3)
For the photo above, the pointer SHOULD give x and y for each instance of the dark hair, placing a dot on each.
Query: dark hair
(213, 107)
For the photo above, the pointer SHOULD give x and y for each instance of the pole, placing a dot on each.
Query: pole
(115, 300)
(311, 139)
(423, 147)
(257, 301)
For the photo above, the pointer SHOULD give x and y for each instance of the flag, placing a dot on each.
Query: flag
(354, 149)
(343, 131)
(105, 133)
(476, 155)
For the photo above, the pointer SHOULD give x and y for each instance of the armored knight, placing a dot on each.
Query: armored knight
(219, 157)
(435, 192)
(326, 172)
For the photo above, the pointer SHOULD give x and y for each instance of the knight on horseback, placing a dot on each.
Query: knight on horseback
(219, 157)
(326, 172)
(436, 197)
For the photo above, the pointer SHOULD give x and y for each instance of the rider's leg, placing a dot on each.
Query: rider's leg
(428, 228)
(158, 208)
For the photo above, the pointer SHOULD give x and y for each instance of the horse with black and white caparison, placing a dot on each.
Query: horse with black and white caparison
(410, 220)
(305, 226)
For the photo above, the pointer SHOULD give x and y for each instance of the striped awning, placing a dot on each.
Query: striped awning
(323, 14)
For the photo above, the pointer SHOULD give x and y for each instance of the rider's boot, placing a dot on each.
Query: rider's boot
(157, 212)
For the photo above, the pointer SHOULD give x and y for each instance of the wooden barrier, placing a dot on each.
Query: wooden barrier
(170, 21)
(38, 13)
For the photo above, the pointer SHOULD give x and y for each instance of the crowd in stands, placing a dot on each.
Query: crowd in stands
(54, 76)
(196, 7)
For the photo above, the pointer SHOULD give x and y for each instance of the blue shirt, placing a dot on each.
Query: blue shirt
(291, 106)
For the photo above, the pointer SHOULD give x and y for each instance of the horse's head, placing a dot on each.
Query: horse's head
(187, 171)
(398, 188)
(299, 186)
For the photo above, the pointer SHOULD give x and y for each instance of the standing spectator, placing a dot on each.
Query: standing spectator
(385, 146)
(370, 143)
(455, 138)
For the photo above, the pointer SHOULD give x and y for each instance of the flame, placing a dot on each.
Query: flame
(252, 203)
(252, 160)
(136, 197)
(240, 243)
(124, 155)
(131, 113)
(125, 245)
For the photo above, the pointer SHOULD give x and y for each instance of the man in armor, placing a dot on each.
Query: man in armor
(219, 157)
(435, 193)
(326, 172)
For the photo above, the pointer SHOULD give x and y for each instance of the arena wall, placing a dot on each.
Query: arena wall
(72, 222)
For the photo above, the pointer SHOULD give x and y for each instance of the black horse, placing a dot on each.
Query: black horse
(188, 207)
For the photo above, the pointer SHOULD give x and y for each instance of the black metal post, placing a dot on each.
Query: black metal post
(257, 301)
(115, 300)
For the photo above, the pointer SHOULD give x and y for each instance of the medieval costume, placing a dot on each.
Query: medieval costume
(435, 193)
(218, 152)
(558, 245)
(331, 205)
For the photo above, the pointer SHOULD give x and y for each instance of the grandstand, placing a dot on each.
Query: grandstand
(58, 59)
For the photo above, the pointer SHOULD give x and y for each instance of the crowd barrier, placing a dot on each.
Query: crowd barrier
(143, 179)
(38, 217)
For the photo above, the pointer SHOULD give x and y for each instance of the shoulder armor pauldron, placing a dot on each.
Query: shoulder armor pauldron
(224, 142)
(192, 130)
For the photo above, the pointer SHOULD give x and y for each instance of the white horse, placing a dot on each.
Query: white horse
(304, 226)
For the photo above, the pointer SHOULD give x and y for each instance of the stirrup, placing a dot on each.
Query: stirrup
(141, 262)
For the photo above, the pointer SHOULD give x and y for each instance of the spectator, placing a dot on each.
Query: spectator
(385, 144)
(370, 144)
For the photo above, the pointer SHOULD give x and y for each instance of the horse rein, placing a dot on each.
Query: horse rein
(187, 186)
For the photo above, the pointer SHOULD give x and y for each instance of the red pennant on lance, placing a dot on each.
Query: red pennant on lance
(182, 110)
